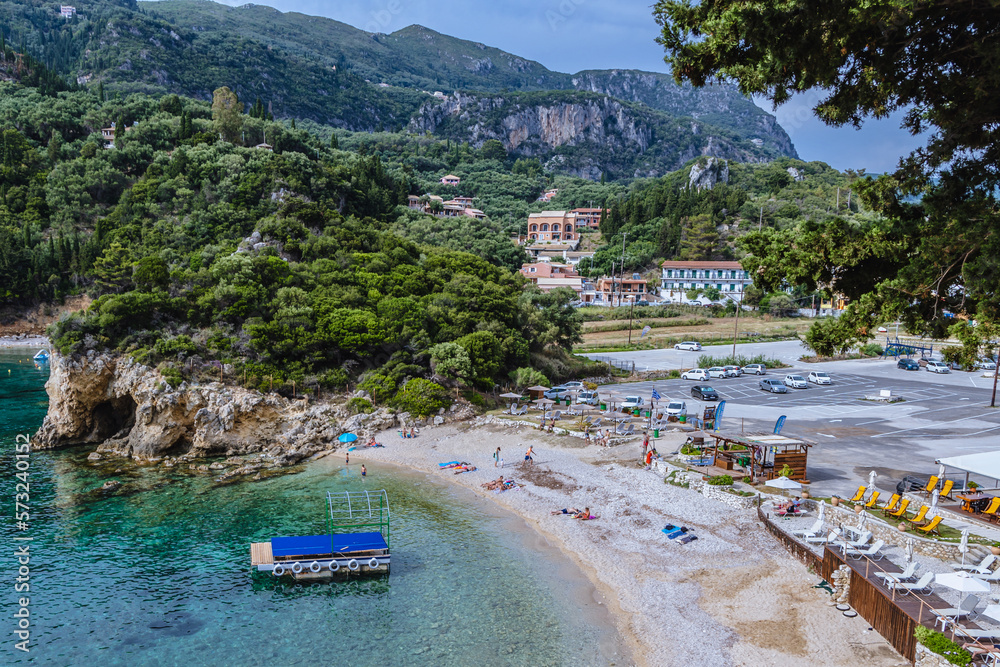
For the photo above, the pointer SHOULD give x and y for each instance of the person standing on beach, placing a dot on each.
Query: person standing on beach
(496, 457)
(645, 443)
(347, 460)
(527, 454)
(364, 471)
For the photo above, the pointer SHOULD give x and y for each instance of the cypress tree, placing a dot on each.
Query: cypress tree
(100, 92)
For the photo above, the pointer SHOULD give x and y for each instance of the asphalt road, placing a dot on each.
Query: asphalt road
(940, 415)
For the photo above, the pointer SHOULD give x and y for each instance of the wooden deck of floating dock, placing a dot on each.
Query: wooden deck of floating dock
(260, 554)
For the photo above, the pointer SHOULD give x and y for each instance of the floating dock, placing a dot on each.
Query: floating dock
(343, 551)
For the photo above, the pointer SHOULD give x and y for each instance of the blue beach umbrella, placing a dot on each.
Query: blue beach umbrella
(347, 437)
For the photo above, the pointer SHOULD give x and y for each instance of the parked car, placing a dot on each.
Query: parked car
(588, 397)
(796, 382)
(908, 364)
(573, 386)
(773, 386)
(883, 330)
(733, 371)
(632, 402)
(688, 345)
(717, 372)
(695, 374)
(937, 367)
(704, 392)
(676, 408)
(756, 369)
(986, 365)
(557, 392)
(819, 377)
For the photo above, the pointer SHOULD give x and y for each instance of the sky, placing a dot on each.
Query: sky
(573, 35)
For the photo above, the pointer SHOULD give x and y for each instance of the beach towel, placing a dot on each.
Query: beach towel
(449, 464)
(688, 538)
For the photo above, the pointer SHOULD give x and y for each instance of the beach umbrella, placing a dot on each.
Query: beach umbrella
(347, 437)
(862, 520)
(783, 483)
(544, 401)
(822, 511)
(963, 582)
(963, 545)
(871, 479)
(510, 394)
(934, 502)
(909, 549)
(941, 473)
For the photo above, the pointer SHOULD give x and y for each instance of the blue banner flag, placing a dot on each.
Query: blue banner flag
(656, 394)
(718, 414)
(645, 330)
(778, 424)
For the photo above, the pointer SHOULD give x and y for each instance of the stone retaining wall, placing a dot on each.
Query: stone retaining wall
(925, 658)
(836, 516)
(696, 483)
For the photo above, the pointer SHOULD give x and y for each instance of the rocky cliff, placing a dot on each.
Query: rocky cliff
(583, 134)
(127, 409)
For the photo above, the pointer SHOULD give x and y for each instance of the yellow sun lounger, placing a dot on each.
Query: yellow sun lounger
(891, 505)
(871, 501)
(921, 515)
(931, 527)
(859, 495)
(901, 510)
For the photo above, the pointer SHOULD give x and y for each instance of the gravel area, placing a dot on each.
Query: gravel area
(25, 340)
(734, 596)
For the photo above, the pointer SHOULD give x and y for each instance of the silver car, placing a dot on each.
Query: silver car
(937, 367)
(773, 386)
(796, 382)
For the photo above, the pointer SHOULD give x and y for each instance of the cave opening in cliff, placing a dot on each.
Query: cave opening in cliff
(181, 447)
(114, 418)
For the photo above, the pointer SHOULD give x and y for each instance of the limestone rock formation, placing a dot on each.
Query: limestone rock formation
(706, 173)
(129, 410)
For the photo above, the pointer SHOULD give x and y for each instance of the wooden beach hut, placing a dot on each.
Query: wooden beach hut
(762, 455)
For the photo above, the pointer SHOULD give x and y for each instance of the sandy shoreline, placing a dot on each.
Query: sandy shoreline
(734, 596)
(27, 340)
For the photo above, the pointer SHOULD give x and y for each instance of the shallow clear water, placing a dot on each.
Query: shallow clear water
(158, 574)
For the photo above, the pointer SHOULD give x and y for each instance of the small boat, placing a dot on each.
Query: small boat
(347, 548)
(43, 355)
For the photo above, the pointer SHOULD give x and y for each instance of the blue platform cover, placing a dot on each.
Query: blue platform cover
(319, 545)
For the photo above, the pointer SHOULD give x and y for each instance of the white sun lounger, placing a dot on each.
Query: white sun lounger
(984, 566)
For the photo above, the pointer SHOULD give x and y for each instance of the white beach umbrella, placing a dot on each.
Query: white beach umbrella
(963, 544)
(783, 483)
(941, 473)
(909, 549)
(862, 520)
(962, 582)
(821, 515)
(934, 502)
(871, 480)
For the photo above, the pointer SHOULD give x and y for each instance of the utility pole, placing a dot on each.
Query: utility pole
(996, 368)
(611, 294)
(621, 287)
(631, 308)
(736, 328)
(838, 200)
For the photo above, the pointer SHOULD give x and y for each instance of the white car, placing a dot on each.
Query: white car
(573, 386)
(717, 372)
(632, 402)
(819, 377)
(688, 345)
(733, 371)
(756, 369)
(588, 397)
(937, 367)
(695, 374)
(676, 408)
(986, 365)
(796, 382)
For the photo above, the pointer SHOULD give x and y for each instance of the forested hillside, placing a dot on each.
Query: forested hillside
(306, 67)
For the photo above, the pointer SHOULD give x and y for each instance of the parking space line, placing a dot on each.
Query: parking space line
(925, 428)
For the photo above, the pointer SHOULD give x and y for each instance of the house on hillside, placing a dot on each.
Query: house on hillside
(552, 226)
(536, 270)
(615, 291)
(67, 11)
(535, 249)
(587, 217)
(474, 213)
(265, 147)
(450, 179)
(548, 195)
(678, 277)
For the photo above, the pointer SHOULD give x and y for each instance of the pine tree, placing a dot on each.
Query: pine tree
(293, 123)
(119, 128)
(333, 141)
(100, 92)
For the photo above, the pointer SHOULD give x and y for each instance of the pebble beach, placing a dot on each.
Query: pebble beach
(733, 596)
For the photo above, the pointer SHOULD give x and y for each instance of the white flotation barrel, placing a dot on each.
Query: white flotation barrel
(334, 566)
(315, 566)
(373, 563)
(297, 567)
(353, 566)
(278, 570)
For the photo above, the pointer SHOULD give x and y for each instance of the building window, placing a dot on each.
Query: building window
(555, 228)
(545, 228)
(532, 269)
(534, 228)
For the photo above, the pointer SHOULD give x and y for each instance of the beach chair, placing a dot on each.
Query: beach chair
(871, 501)
(587, 420)
(901, 510)
(984, 566)
(832, 537)
(931, 485)
(557, 415)
(966, 608)
(991, 578)
(920, 516)
(871, 552)
(891, 505)
(922, 586)
(905, 575)
(811, 531)
(861, 541)
(598, 422)
(949, 484)
(859, 495)
(991, 510)
(629, 430)
(931, 527)
(524, 410)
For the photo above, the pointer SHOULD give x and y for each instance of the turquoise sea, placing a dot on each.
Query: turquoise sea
(158, 573)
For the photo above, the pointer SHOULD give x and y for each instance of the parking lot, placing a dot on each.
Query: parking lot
(940, 415)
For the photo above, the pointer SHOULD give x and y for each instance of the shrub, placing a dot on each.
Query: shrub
(360, 405)
(747, 479)
(528, 377)
(706, 361)
(720, 480)
(871, 350)
(171, 375)
(674, 374)
(940, 644)
(378, 386)
(421, 397)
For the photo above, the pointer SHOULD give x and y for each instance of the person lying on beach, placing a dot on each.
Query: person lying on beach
(567, 510)
(585, 515)
(495, 484)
